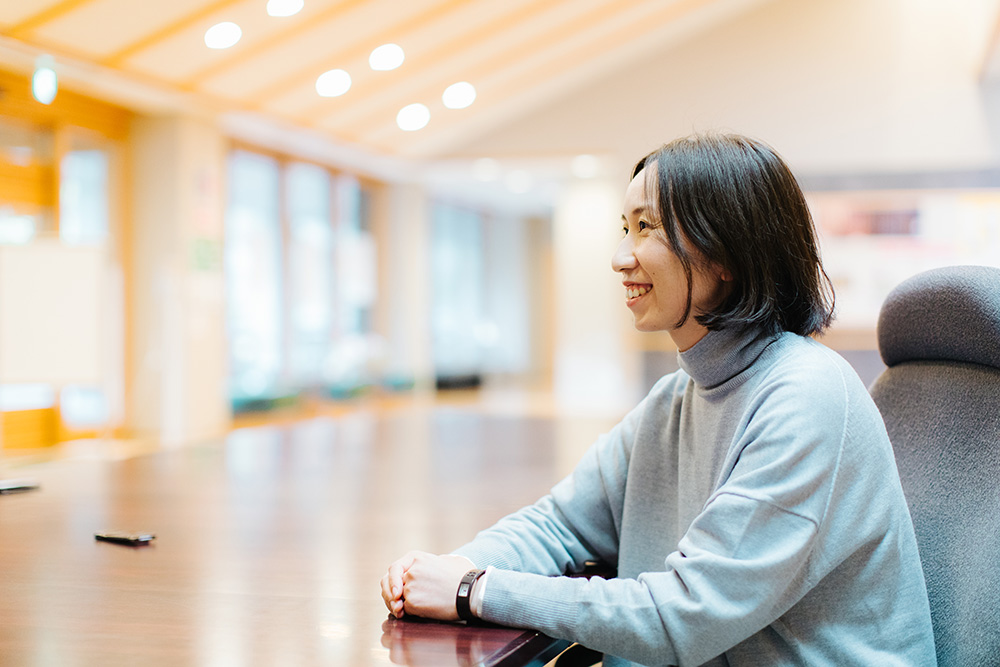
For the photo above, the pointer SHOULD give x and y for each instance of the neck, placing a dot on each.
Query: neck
(688, 334)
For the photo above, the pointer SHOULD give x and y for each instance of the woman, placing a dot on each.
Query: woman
(750, 503)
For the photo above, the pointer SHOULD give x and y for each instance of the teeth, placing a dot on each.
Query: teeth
(633, 292)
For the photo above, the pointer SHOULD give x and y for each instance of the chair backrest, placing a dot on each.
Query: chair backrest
(939, 336)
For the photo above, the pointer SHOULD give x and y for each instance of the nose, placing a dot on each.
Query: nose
(624, 257)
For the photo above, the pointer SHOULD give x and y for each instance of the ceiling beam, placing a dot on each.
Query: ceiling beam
(445, 49)
(116, 60)
(277, 39)
(532, 48)
(48, 15)
(307, 75)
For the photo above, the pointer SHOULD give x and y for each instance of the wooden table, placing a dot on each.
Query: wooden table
(269, 545)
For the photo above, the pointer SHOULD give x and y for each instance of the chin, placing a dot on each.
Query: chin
(646, 327)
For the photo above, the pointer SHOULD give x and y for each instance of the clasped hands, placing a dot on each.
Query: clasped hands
(423, 584)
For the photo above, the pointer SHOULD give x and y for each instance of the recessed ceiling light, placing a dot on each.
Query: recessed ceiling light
(334, 83)
(459, 95)
(413, 117)
(44, 82)
(222, 35)
(386, 57)
(284, 7)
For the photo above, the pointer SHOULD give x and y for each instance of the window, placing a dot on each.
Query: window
(504, 332)
(84, 219)
(83, 197)
(254, 275)
(457, 280)
(349, 364)
(300, 270)
(310, 256)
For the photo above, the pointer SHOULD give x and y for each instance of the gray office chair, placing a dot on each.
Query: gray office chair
(939, 335)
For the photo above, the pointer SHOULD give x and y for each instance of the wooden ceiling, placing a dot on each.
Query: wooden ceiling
(517, 53)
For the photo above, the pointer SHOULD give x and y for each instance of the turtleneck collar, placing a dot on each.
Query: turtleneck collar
(723, 354)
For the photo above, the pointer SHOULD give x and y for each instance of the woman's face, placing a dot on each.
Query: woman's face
(653, 277)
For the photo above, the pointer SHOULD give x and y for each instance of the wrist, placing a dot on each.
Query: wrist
(478, 593)
(464, 594)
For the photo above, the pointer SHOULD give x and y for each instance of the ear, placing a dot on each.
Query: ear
(722, 274)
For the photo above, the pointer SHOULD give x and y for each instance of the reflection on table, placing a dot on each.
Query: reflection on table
(418, 643)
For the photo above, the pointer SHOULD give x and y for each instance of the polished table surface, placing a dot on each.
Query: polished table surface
(269, 544)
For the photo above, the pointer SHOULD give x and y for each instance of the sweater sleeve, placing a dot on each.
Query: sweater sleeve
(739, 566)
(719, 589)
(577, 521)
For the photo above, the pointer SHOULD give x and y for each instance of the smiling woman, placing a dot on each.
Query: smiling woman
(660, 290)
(750, 503)
(715, 208)
(733, 206)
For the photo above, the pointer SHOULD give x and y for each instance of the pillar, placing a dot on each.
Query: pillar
(402, 229)
(177, 357)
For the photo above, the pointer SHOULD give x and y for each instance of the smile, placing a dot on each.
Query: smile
(636, 291)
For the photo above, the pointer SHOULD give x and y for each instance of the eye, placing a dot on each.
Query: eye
(643, 225)
(624, 230)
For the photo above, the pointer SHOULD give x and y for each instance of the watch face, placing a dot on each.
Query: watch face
(463, 589)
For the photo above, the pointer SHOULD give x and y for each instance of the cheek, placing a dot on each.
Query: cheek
(658, 262)
(708, 290)
(666, 273)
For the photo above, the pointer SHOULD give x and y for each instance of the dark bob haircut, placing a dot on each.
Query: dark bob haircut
(732, 202)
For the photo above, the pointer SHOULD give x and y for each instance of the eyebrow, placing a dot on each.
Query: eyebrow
(636, 211)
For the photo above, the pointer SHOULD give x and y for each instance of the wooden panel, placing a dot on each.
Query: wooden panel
(27, 429)
(37, 19)
(68, 108)
(26, 184)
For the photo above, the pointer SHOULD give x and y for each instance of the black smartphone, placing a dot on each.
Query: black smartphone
(17, 485)
(130, 539)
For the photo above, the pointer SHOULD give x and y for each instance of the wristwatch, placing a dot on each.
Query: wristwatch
(465, 592)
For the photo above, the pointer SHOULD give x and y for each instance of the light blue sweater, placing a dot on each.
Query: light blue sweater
(752, 507)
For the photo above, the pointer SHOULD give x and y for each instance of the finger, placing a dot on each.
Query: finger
(396, 571)
(386, 589)
(387, 596)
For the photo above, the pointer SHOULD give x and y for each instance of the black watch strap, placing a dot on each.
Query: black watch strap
(465, 593)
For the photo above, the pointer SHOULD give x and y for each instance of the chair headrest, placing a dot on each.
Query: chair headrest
(948, 314)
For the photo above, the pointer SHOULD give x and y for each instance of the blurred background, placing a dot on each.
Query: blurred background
(216, 211)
